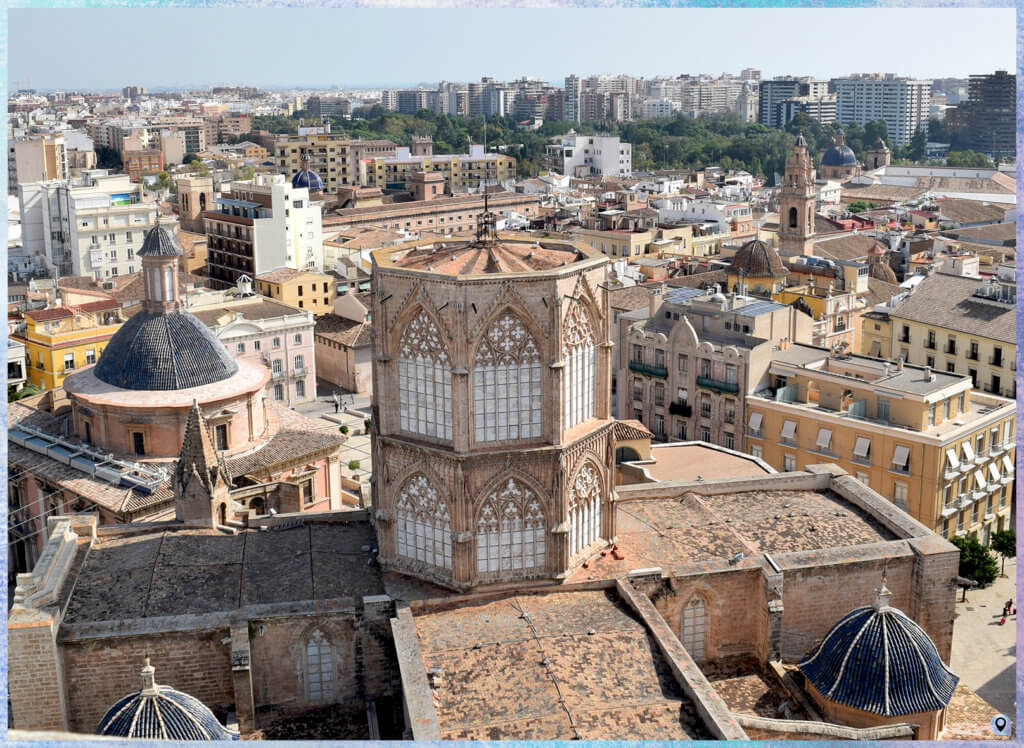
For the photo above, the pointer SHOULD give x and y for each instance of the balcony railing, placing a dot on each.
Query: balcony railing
(717, 384)
(653, 371)
(950, 349)
(680, 408)
(995, 360)
(972, 355)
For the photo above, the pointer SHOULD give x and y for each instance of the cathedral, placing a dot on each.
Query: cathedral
(501, 585)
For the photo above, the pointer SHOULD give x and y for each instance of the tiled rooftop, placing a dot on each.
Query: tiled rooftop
(747, 689)
(166, 573)
(691, 529)
(602, 668)
(474, 258)
(296, 436)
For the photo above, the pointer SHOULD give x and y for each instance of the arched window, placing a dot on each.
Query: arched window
(510, 531)
(423, 524)
(792, 218)
(506, 383)
(693, 628)
(584, 509)
(319, 668)
(424, 380)
(578, 375)
(202, 201)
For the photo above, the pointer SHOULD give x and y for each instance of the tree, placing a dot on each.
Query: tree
(1004, 543)
(108, 158)
(27, 391)
(188, 158)
(976, 563)
(353, 465)
(918, 144)
(968, 159)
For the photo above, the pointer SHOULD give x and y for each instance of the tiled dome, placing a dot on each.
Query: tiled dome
(159, 243)
(839, 155)
(878, 660)
(308, 179)
(757, 260)
(879, 270)
(164, 351)
(161, 713)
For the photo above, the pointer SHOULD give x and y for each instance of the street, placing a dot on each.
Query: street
(358, 445)
(984, 653)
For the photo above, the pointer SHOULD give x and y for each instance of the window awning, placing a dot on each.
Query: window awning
(788, 429)
(1008, 465)
(755, 421)
(824, 438)
(979, 481)
(968, 452)
(952, 460)
(900, 456)
(862, 447)
(993, 472)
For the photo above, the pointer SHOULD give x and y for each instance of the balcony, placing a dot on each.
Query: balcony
(718, 385)
(972, 355)
(950, 349)
(904, 338)
(652, 371)
(995, 361)
(929, 344)
(680, 408)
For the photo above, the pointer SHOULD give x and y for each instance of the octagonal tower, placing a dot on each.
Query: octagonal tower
(493, 452)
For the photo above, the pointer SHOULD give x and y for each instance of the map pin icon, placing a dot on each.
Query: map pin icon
(1001, 724)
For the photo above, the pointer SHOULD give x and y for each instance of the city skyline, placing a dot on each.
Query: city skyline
(746, 36)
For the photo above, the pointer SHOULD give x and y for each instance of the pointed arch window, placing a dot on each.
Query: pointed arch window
(506, 383)
(584, 509)
(423, 523)
(693, 628)
(319, 668)
(510, 532)
(578, 375)
(424, 380)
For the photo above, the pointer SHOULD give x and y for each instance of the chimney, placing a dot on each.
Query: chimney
(655, 301)
(899, 364)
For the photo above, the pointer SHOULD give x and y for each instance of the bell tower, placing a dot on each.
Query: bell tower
(796, 203)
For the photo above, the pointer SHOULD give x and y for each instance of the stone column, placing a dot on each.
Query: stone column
(603, 404)
(241, 676)
(35, 673)
(462, 394)
(556, 407)
(334, 481)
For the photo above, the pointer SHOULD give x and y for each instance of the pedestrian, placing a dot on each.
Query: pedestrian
(337, 402)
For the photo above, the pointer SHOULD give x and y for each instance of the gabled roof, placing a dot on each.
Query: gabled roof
(948, 301)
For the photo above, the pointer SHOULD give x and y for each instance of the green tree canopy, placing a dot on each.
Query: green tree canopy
(969, 159)
(976, 562)
(1004, 543)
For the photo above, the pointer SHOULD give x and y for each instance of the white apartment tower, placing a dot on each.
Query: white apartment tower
(92, 225)
(902, 102)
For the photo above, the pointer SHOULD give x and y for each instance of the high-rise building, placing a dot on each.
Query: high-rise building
(590, 155)
(991, 113)
(573, 90)
(772, 93)
(902, 102)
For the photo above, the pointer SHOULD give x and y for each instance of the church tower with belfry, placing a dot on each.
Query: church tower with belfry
(796, 203)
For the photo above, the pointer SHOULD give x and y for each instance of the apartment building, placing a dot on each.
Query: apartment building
(685, 364)
(590, 155)
(304, 289)
(955, 324)
(332, 155)
(937, 448)
(461, 171)
(92, 225)
(35, 158)
(991, 111)
(264, 223)
(902, 102)
(267, 332)
(64, 338)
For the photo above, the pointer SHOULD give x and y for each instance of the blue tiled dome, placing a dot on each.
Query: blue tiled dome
(309, 179)
(839, 155)
(878, 660)
(162, 713)
(159, 243)
(164, 351)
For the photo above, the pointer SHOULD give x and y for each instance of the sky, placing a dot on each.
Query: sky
(96, 49)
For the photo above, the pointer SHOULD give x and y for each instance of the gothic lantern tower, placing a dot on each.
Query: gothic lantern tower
(493, 446)
(796, 203)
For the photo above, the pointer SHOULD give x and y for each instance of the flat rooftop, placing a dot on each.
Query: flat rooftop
(693, 460)
(603, 669)
(691, 529)
(177, 572)
(485, 257)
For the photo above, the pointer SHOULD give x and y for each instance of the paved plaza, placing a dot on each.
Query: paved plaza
(984, 653)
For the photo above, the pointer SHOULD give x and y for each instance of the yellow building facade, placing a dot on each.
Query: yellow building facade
(938, 449)
(58, 341)
(460, 171)
(302, 289)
